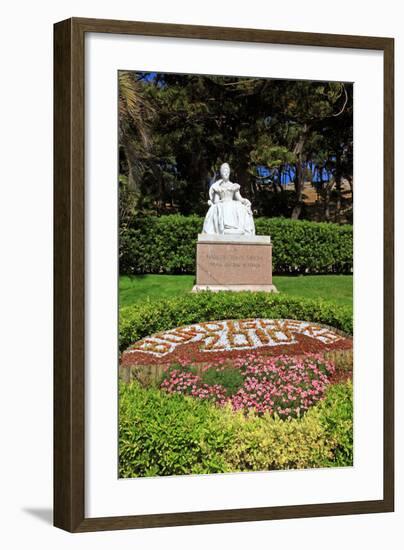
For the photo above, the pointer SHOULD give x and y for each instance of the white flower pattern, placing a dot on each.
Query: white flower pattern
(229, 335)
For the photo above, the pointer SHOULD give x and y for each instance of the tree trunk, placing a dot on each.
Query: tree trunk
(327, 193)
(350, 181)
(246, 187)
(299, 183)
(338, 177)
(276, 182)
(320, 187)
(299, 176)
(133, 170)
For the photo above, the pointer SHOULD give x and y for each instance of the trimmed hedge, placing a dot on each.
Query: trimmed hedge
(169, 435)
(162, 434)
(336, 414)
(147, 318)
(312, 441)
(167, 244)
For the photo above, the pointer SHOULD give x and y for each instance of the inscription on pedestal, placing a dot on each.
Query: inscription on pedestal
(234, 260)
(234, 264)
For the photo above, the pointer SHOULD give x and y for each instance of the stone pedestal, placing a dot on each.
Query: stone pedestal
(234, 262)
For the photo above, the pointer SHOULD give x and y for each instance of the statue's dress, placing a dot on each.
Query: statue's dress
(227, 215)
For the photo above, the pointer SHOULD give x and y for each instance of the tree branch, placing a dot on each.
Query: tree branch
(345, 102)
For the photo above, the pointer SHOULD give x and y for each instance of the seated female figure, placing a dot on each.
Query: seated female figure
(229, 212)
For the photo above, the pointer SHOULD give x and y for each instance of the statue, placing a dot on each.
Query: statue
(229, 212)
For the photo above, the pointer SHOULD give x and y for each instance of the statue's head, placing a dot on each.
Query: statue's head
(225, 170)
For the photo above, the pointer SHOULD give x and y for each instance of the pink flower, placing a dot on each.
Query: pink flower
(287, 385)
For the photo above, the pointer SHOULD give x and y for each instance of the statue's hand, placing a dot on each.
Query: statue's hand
(246, 202)
(210, 202)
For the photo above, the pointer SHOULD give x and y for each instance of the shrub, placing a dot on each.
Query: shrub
(162, 434)
(167, 244)
(147, 318)
(228, 377)
(169, 435)
(266, 443)
(322, 438)
(308, 247)
(336, 414)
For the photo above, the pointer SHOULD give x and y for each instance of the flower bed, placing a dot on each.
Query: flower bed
(141, 320)
(231, 339)
(286, 386)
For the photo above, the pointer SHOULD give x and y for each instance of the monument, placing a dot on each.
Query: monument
(229, 256)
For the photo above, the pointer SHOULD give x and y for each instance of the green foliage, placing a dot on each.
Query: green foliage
(144, 319)
(169, 435)
(308, 247)
(322, 437)
(162, 434)
(279, 204)
(336, 414)
(266, 443)
(229, 377)
(167, 244)
(175, 129)
(164, 244)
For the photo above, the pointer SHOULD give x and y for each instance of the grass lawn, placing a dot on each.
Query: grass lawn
(335, 288)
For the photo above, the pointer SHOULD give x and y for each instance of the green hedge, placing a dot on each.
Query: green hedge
(169, 435)
(336, 414)
(162, 434)
(167, 244)
(144, 319)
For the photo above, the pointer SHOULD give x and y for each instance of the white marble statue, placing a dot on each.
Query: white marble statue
(229, 212)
